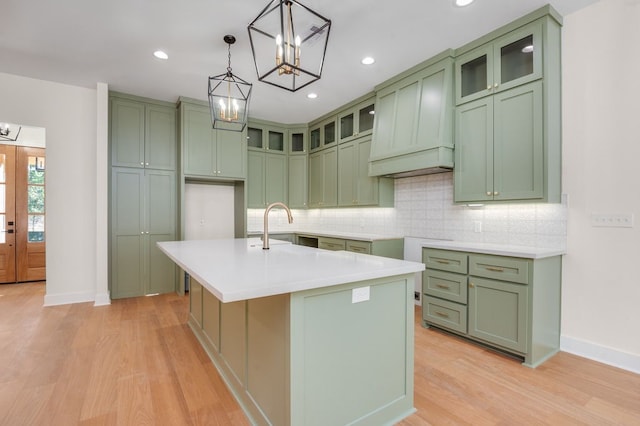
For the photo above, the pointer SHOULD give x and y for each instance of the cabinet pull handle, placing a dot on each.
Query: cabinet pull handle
(495, 269)
(442, 314)
(444, 262)
(442, 286)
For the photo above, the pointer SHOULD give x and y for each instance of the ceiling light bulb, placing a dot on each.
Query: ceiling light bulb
(312, 95)
(160, 54)
(368, 60)
(461, 3)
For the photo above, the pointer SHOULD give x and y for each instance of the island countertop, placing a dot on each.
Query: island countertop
(239, 269)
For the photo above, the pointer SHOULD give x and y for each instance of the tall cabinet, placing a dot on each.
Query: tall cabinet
(142, 134)
(507, 127)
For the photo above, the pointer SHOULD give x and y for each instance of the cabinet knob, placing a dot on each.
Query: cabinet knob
(496, 193)
(142, 164)
(471, 285)
(489, 87)
(495, 85)
(488, 192)
(146, 164)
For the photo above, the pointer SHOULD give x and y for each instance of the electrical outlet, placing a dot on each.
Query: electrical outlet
(416, 295)
(616, 220)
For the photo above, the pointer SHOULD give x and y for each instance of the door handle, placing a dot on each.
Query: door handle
(9, 231)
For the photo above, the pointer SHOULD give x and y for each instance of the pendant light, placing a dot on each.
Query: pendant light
(229, 97)
(289, 43)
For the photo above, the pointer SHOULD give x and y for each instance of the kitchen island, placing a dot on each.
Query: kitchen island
(304, 336)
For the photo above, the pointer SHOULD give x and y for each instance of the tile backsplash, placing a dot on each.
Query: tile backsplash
(424, 208)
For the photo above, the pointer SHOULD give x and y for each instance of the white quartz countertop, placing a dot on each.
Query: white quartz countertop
(498, 249)
(239, 269)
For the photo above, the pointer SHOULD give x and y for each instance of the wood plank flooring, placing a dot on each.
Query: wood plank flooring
(135, 362)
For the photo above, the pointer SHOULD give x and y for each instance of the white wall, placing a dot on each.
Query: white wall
(68, 113)
(601, 173)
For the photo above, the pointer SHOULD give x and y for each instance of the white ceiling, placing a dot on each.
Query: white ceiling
(82, 42)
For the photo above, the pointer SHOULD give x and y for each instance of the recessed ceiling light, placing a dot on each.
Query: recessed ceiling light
(368, 60)
(312, 95)
(160, 54)
(462, 3)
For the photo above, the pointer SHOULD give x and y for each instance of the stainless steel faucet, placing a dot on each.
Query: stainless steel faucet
(265, 236)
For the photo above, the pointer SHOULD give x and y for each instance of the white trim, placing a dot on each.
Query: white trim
(603, 354)
(102, 299)
(67, 298)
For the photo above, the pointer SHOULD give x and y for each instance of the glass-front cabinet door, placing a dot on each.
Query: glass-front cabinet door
(298, 141)
(507, 62)
(254, 137)
(356, 122)
(276, 141)
(314, 138)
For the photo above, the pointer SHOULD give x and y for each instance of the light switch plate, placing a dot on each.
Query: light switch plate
(612, 220)
(360, 294)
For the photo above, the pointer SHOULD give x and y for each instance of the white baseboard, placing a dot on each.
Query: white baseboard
(102, 299)
(603, 354)
(67, 298)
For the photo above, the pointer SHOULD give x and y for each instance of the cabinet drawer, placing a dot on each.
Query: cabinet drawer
(359, 246)
(445, 260)
(445, 314)
(445, 285)
(331, 243)
(500, 268)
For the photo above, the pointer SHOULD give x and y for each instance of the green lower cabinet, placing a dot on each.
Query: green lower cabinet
(393, 247)
(143, 212)
(509, 303)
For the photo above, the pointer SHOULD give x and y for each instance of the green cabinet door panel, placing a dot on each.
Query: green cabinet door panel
(160, 150)
(323, 178)
(198, 144)
(231, 151)
(518, 143)
(498, 313)
(255, 180)
(355, 186)
(348, 175)
(473, 174)
(161, 226)
(298, 179)
(275, 179)
(127, 133)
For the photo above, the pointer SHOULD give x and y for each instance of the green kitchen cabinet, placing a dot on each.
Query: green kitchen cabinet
(142, 132)
(509, 61)
(509, 303)
(390, 247)
(508, 115)
(207, 152)
(298, 141)
(323, 178)
(267, 179)
(355, 186)
(143, 212)
(500, 147)
(323, 134)
(298, 181)
(357, 121)
(263, 135)
(413, 128)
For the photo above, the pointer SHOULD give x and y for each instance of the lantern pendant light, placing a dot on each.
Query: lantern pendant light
(297, 35)
(229, 97)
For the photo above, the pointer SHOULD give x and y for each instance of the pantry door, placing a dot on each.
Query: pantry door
(30, 214)
(7, 214)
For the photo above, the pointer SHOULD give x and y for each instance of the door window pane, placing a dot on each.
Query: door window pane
(516, 59)
(3, 198)
(3, 229)
(346, 126)
(255, 137)
(35, 228)
(35, 196)
(3, 171)
(297, 142)
(276, 141)
(365, 120)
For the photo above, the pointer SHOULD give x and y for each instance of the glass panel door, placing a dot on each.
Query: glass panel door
(516, 59)
(7, 214)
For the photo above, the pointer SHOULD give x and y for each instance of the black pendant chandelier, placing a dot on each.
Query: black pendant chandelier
(289, 43)
(229, 98)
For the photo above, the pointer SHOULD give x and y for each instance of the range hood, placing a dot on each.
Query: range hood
(416, 163)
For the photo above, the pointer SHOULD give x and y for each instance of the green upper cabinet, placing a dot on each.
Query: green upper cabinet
(508, 136)
(356, 121)
(323, 134)
(509, 61)
(142, 133)
(355, 186)
(413, 126)
(298, 141)
(267, 179)
(207, 152)
(298, 179)
(323, 178)
(267, 136)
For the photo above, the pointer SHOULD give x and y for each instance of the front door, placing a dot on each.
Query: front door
(22, 207)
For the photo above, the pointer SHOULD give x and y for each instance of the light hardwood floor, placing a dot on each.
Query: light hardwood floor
(135, 362)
